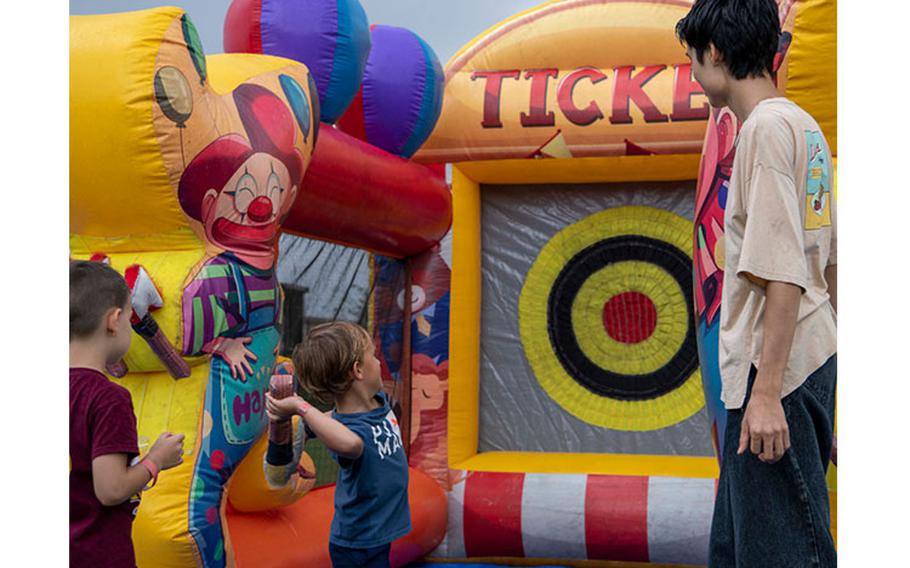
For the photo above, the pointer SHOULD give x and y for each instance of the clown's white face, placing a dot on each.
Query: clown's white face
(244, 216)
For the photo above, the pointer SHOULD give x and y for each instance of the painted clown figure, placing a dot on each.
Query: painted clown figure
(240, 191)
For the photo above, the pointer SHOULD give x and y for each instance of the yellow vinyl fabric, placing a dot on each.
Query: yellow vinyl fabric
(128, 151)
(122, 197)
(592, 464)
(810, 77)
(464, 340)
(609, 169)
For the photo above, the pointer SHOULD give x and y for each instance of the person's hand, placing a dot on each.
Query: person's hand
(764, 428)
(283, 408)
(167, 452)
(234, 352)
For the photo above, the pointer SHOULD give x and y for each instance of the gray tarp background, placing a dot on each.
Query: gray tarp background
(338, 282)
(515, 412)
(338, 277)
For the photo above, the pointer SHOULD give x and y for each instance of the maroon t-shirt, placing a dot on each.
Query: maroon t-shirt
(101, 422)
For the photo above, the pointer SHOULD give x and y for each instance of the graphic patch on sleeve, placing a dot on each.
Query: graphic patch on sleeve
(818, 183)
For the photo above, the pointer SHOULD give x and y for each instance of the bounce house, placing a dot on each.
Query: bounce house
(185, 170)
(544, 217)
(583, 390)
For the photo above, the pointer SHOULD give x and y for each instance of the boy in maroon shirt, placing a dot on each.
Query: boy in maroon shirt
(103, 439)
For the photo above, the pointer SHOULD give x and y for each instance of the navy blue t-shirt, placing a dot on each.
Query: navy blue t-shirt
(371, 497)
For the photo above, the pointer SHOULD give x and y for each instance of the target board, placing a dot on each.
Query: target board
(606, 319)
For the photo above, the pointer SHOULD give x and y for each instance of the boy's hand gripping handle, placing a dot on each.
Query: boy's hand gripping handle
(280, 386)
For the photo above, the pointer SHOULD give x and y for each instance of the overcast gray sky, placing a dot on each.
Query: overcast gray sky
(445, 24)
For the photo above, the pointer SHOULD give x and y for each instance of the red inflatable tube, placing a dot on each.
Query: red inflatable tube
(360, 196)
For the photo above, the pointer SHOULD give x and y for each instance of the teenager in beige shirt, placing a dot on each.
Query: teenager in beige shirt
(778, 326)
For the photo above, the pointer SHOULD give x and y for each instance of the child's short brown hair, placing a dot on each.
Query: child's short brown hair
(95, 288)
(327, 355)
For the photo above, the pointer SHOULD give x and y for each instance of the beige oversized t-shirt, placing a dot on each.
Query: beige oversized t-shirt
(781, 225)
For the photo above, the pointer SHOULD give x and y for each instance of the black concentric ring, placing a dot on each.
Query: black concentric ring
(562, 336)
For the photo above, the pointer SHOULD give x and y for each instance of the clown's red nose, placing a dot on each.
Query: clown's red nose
(260, 209)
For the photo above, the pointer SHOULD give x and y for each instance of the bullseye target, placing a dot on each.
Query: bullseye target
(606, 319)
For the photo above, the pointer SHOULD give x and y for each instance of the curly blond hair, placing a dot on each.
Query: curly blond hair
(325, 359)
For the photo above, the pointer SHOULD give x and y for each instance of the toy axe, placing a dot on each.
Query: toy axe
(282, 457)
(145, 298)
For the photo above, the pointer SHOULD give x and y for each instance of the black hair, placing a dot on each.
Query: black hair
(746, 32)
(95, 288)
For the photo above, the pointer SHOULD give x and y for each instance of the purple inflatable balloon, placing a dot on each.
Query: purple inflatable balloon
(331, 37)
(401, 93)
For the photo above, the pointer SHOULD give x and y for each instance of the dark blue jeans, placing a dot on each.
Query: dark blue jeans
(344, 557)
(778, 515)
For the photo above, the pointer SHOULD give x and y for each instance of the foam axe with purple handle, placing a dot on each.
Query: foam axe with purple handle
(282, 458)
(145, 297)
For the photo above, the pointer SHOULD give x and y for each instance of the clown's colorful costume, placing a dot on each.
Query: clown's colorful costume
(228, 298)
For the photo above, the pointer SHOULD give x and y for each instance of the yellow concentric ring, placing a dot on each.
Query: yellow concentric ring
(635, 358)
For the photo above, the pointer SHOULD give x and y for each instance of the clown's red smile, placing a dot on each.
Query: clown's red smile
(244, 216)
(237, 237)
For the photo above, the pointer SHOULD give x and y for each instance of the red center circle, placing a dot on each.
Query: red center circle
(630, 317)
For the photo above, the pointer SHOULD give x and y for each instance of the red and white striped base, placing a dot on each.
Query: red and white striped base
(578, 516)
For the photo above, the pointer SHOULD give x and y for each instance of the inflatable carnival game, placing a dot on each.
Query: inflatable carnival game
(588, 180)
(546, 315)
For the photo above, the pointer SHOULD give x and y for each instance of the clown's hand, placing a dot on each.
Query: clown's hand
(233, 351)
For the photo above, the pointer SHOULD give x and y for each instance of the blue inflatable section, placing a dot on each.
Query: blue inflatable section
(708, 345)
(349, 62)
(431, 103)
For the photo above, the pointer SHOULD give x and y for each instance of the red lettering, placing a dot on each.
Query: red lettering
(683, 89)
(493, 94)
(538, 115)
(626, 88)
(564, 94)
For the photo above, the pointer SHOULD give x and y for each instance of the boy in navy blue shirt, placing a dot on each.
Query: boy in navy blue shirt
(336, 362)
